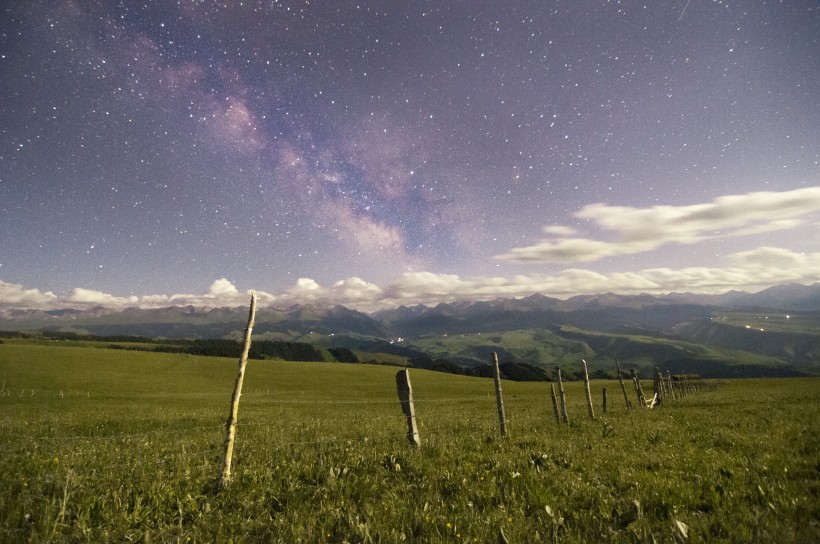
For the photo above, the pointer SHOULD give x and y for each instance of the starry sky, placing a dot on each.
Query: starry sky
(373, 153)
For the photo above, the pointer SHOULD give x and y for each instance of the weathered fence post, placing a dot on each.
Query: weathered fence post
(406, 397)
(638, 388)
(658, 386)
(498, 396)
(554, 404)
(587, 392)
(564, 414)
(623, 387)
(230, 425)
(661, 381)
(603, 398)
(669, 382)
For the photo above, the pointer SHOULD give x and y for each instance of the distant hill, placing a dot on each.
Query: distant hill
(775, 332)
(791, 297)
(193, 322)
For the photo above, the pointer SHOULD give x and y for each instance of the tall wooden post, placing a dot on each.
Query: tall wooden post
(406, 397)
(623, 387)
(587, 392)
(603, 398)
(230, 425)
(564, 414)
(554, 404)
(498, 396)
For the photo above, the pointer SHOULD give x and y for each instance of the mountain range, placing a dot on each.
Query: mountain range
(775, 332)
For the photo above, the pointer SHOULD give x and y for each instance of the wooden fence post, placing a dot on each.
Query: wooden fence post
(498, 396)
(638, 389)
(406, 397)
(669, 383)
(623, 387)
(587, 392)
(554, 404)
(230, 424)
(661, 382)
(603, 398)
(564, 414)
(658, 386)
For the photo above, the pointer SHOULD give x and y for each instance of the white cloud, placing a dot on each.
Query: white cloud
(220, 293)
(749, 270)
(746, 270)
(98, 298)
(778, 258)
(638, 230)
(306, 285)
(13, 295)
(559, 230)
(572, 250)
(222, 287)
(355, 291)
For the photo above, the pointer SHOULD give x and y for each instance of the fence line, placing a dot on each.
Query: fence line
(284, 438)
(489, 399)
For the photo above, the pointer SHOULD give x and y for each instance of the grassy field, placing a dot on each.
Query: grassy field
(125, 446)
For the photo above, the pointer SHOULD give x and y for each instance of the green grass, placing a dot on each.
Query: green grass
(144, 346)
(125, 446)
(537, 347)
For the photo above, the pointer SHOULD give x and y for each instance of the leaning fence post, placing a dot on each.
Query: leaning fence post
(406, 398)
(623, 387)
(554, 404)
(564, 414)
(230, 425)
(603, 398)
(498, 396)
(587, 392)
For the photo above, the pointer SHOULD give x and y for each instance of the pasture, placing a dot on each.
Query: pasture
(125, 446)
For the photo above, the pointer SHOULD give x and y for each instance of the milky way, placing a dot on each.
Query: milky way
(378, 153)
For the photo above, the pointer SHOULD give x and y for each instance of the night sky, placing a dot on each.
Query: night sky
(378, 153)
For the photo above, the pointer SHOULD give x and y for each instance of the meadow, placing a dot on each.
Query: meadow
(125, 446)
